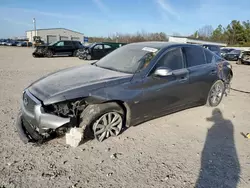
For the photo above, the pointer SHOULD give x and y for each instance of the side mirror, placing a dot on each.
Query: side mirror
(163, 71)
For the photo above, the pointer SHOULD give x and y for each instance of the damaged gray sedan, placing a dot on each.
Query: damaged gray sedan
(133, 84)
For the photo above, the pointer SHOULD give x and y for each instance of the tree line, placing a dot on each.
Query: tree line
(236, 33)
(129, 38)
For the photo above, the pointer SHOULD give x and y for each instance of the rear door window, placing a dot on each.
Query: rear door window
(194, 56)
(68, 43)
(209, 56)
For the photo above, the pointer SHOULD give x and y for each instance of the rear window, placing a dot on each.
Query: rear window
(77, 44)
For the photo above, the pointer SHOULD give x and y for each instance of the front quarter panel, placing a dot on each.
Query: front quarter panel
(129, 93)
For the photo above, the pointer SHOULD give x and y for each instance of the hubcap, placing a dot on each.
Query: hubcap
(88, 57)
(110, 124)
(216, 93)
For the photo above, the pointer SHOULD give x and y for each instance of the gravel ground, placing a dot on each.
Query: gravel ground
(199, 146)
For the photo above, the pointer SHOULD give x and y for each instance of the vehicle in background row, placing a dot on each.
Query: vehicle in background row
(233, 55)
(11, 43)
(134, 83)
(225, 51)
(114, 44)
(97, 50)
(3, 42)
(244, 58)
(62, 47)
(24, 43)
(214, 48)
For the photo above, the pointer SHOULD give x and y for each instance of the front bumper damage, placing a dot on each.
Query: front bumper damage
(39, 52)
(33, 124)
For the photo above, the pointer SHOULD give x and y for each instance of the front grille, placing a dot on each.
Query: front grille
(29, 104)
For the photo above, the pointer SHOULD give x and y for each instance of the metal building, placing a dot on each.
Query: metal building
(54, 34)
(193, 41)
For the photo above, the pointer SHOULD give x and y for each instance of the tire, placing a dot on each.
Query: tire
(35, 56)
(49, 54)
(74, 53)
(215, 98)
(92, 113)
(239, 62)
(89, 57)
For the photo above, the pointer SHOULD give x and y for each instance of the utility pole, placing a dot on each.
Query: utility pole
(34, 22)
(117, 37)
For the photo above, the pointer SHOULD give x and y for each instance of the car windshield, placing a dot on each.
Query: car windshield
(235, 52)
(128, 58)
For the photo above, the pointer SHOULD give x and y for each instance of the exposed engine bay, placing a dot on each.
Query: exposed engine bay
(66, 109)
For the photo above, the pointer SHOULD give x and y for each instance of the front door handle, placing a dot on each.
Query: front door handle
(213, 71)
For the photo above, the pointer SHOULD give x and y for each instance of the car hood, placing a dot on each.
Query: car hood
(75, 82)
(42, 46)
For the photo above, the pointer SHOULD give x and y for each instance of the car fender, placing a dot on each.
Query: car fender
(125, 106)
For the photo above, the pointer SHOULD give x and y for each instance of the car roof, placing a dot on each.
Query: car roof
(158, 45)
(209, 45)
(69, 40)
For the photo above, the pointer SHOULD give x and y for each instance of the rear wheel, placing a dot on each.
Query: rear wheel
(215, 94)
(74, 53)
(239, 62)
(102, 120)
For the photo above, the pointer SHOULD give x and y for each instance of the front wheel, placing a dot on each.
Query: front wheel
(215, 94)
(49, 53)
(102, 120)
(89, 57)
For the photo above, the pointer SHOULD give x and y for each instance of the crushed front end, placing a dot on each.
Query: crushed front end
(35, 123)
(40, 51)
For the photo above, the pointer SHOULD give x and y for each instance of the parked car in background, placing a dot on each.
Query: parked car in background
(233, 55)
(134, 83)
(244, 57)
(214, 48)
(4, 42)
(62, 47)
(24, 43)
(225, 51)
(11, 43)
(98, 50)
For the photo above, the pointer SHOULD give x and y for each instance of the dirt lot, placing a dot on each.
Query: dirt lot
(195, 146)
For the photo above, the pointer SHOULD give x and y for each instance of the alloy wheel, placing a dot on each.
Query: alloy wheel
(216, 93)
(89, 57)
(109, 124)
